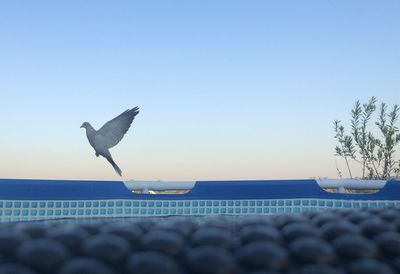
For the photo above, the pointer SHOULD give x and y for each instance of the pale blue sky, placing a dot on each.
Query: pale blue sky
(227, 89)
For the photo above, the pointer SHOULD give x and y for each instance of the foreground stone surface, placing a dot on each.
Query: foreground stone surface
(346, 241)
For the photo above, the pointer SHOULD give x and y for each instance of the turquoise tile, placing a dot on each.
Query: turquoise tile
(17, 212)
(136, 204)
(165, 211)
(274, 203)
(230, 210)
(195, 203)
(202, 210)
(238, 210)
(373, 204)
(88, 212)
(296, 210)
(338, 204)
(195, 210)
(50, 212)
(110, 203)
(80, 211)
(321, 203)
(215, 210)
(259, 203)
(166, 204)
(9, 204)
(223, 210)
(231, 203)
(329, 203)
(347, 204)
(118, 203)
(245, 203)
(208, 210)
(81, 204)
(266, 203)
(356, 204)
(135, 211)
(173, 211)
(96, 203)
(273, 210)
(237, 203)
(252, 203)
(288, 210)
(244, 210)
(73, 212)
(313, 202)
(151, 204)
(8, 212)
(297, 202)
(259, 210)
(34, 205)
(216, 203)
(180, 211)
(103, 204)
(202, 203)
(42, 212)
(58, 205)
(223, 203)
(208, 203)
(66, 204)
(57, 212)
(187, 211)
(158, 204)
(151, 211)
(74, 204)
(173, 204)
(24, 205)
(143, 211)
(1, 204)
(25, 212)
(88, 204)
(252, 210)
(127, 211)
(305, 202)
(96, 211)
(110, 211)
(128, 203)
(102, 211)
(288, 203)
(118, 211)
(17, 204)
(42, 204)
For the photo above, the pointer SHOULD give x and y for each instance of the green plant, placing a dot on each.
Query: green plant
(375, 155)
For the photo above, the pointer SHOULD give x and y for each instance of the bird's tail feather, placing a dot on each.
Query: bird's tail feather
(116, 168)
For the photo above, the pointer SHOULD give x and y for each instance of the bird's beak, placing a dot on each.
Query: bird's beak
(81, 126)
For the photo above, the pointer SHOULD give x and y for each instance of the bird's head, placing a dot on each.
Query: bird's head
(85, 125)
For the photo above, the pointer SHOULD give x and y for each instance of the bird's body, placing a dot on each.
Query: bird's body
(110, 135)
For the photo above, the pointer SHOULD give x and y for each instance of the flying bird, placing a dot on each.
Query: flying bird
(110, 135)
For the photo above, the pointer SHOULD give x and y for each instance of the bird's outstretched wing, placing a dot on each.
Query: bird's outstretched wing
(114, 130)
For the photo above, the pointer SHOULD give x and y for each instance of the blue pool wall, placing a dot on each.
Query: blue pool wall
(22, 189)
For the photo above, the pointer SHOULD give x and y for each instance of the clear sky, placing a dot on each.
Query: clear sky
(227, 89)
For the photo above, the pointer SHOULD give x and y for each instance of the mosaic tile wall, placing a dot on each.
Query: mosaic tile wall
(39, 210)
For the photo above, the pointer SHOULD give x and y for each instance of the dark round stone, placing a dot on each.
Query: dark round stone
(262, 272)
(84, 266)
(168, 242)
(369, 266)
(373, 227)
(324, 217)
(334, 229)
(219, 222)
(211, 260)
(34, 230)
(130, 232)
(13, 268)
(72, 237)
(253, 220)
(261, 255)
(91, 228)
(287, 219)
(214, 236)
(312, 250)
(389, 215)
(253, 233)
(10, 241)
(389, 243)
(108, 248)
(317, 269)
(295, 231)
(185, 227)
(44, 255)
(354, 247)
(358, 216)
(150, 262)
